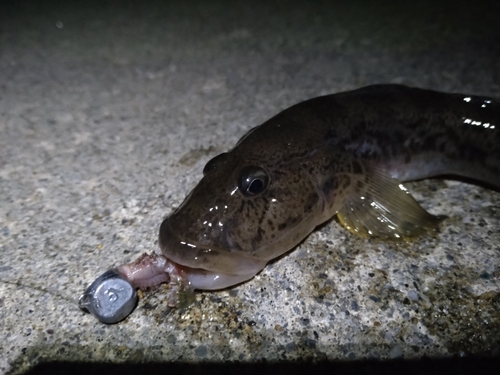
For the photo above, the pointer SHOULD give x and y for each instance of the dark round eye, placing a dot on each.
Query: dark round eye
(215, 162)
(253, 181)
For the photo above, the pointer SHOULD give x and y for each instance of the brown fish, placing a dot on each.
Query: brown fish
(344, 154)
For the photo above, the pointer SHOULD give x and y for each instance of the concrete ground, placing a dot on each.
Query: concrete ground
(110, 110)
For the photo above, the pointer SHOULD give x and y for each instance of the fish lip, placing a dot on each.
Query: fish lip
(170, 244)
(201, 257)
(168, 241)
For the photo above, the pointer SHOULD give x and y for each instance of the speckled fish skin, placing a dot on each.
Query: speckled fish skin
(325, 156)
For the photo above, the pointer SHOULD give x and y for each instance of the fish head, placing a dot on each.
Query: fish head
(246, 210)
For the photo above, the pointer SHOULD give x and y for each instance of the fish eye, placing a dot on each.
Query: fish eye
(253, 181)
(215, 163)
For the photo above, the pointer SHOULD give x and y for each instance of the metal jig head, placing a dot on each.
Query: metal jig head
(110, 298)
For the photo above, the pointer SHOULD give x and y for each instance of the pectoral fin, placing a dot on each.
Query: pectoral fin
(381, 207)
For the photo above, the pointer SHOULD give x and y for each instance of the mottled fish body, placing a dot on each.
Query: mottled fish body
(344, 154)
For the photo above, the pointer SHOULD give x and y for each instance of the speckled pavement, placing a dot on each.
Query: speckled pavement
(108, 113)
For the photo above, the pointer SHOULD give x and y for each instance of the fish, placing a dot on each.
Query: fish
(343, 155)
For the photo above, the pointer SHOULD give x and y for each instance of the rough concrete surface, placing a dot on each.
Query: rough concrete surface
(110, 110)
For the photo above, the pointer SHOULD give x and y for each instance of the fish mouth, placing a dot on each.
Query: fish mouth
(151, 270)
(223, 266)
